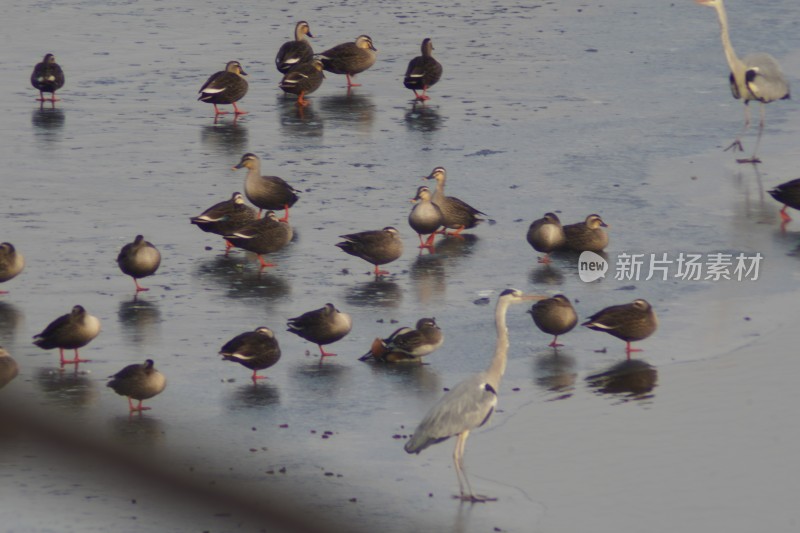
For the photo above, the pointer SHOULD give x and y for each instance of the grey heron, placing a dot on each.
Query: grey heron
(754, 77)
(469, 404)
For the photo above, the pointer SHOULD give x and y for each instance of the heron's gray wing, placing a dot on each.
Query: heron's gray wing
(466, 406)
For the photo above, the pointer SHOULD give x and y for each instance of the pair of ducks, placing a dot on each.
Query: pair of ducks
(630, 322)
(436, 210)
(548, 235)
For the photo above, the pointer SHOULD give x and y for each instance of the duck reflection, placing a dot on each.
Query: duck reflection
(458, 246)
(138, 431)
(348, 109)
(630, 379)
(229, 139)
(421, 117)
(242, 282)
(299, 122)
(379, 292)
(555, 372)
(139, 320)
(546, 275)
(251, 395)
(11, 319)
(320, 379)
(429, 278)
(419, 377)
(68, 388)
(47, 121)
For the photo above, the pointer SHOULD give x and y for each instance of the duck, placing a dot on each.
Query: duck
(423, 72)
(586, 236)
(8, 368)
(425, 217)
(138, 382)
(47, 77)
(303, 79)
(456, 214)
(266, 192)
(322, 326)
(350, 58)
(378, 247)
(139, 259)
(11, 263)
(226, 217)
(225, 87)
(406, 344)
(297, 52)
(71, 331)
(256, 350)
(546, 235)
(263, 236)
(554, 316)
(630, 322)
(786, 193)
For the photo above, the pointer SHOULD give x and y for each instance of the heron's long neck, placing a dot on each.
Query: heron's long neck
(733, 61)
(498, 365)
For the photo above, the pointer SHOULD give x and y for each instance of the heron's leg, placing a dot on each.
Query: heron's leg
(754, 159)
(458, 461)
(736, 145)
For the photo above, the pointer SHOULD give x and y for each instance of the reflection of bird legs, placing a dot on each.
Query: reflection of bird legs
(458, 461)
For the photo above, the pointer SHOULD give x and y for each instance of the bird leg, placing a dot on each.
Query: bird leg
(256, 377)
(138, 409)
(138, 287)
(300, 100)
(228, 247)
(629, 350)
(238, 111)
(350, 83)
(379, 272)
(423, 97)
(545, 260)
(73, 361)
(218, 111)
(324, 353)
(458, 461)
(736, 145)
(456, 233)
(753, 159)
(784, 215)
(264, 264)
(285, 217)
(555, 343)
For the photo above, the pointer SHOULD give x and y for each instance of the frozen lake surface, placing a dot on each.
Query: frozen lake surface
(620, 109)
